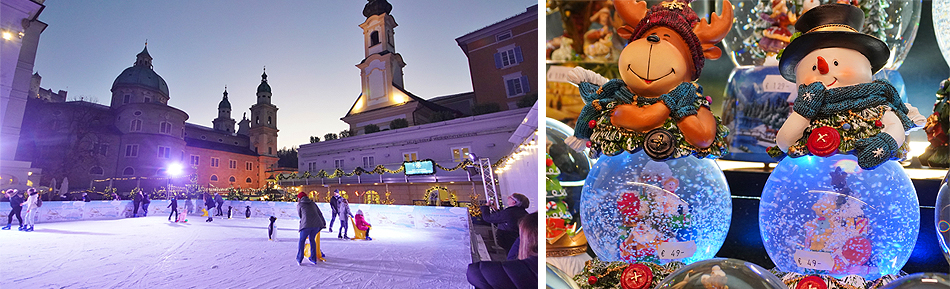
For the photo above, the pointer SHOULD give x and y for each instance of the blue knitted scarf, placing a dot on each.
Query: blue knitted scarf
(857, 97)
(615, 91)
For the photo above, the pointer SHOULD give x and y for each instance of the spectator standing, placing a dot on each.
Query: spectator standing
(507, 219)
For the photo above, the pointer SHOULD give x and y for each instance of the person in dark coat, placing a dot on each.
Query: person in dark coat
(311, 222)
(145, 202)
(85, 197)
(136, 202)
(520, 273)
(15, 208)
(174, 206)
(220, 201)
(334, 202)
(209, 204)
(507, 219)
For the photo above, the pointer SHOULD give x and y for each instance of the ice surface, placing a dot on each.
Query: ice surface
(151, 252)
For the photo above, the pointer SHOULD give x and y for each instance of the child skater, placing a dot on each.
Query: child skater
(31, 207)
(362, 224)
(344, 211)
(174, 206)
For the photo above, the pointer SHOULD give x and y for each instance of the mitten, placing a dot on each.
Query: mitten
(810, 98)
(681, 100)
(874, 151)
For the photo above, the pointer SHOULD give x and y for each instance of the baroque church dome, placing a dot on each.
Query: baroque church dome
(141, 74)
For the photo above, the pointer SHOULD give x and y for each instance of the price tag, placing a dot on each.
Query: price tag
(813, 260)
(676, 250)
(558, 73)
(775, 83)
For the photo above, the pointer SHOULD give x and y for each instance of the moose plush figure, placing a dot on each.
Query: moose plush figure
(656, 106)
(839, 109)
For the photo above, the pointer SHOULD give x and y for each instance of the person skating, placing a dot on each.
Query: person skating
(334, 202)
(311, 222)
(344, 214)
(361, 224)
(136, 202)
(16, 205)
(209, 204)
(220, 201)
(145, 202)
(174, 206)
(31, 207)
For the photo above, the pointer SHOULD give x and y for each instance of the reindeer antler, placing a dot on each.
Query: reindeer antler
(714, 31)
(631, 11)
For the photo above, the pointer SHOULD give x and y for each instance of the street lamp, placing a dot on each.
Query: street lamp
(173, 170)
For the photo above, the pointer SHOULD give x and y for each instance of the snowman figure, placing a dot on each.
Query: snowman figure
(839, 108)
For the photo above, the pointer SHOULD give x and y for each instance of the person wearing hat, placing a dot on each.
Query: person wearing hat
(840, 108)
(361, 223)
(334, 202)
(16, 207)
(311, 222)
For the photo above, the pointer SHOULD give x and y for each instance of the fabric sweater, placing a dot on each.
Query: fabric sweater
(519, 274)
(16, 201)
(310, 215)
(343, 209)
(335, 203)
(361, 222)
(506, 219)
(31, 202)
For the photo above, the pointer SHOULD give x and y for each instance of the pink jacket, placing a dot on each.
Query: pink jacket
(360, 222)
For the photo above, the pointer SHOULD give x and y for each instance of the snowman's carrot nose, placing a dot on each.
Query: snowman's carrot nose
(822, 65)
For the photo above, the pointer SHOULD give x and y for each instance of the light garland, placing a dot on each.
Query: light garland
(527, 147)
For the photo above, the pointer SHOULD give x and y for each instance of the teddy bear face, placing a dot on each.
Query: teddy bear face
(834, 67)
(656, 63)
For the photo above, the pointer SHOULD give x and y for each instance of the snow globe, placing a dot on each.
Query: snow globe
(942, 217)
(840, 203)
(920, 281)
(722, 273)
(758, 98)
(655, 194)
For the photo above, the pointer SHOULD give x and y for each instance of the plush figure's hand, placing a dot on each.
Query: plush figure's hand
(874, 151)
(810, 98)
(579, 75)
(680, 100)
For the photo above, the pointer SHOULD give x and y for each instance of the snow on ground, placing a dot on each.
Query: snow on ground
(151, 252)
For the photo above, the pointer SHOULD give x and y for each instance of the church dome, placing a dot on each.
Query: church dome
(376, 7)
(263, 87)
(224, 102)
(141, 74)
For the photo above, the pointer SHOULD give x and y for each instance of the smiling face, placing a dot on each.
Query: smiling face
(656, 63)
(834, 67)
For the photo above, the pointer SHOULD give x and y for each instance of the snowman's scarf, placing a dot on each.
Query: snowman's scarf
(858, 97)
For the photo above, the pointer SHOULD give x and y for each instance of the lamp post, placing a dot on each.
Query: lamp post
(173, 170)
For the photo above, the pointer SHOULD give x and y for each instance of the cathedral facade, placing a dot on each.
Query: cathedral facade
(138, 139)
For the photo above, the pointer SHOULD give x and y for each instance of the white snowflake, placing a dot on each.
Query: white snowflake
(806, 96)
(878, 152)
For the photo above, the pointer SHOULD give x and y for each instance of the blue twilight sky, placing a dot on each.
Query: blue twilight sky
(310, 49)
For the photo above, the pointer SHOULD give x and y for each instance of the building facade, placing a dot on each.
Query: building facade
(138, 138)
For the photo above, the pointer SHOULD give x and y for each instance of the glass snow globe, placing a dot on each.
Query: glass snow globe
(636, 209)
(942, 217)
(722, 273)
(828, 216)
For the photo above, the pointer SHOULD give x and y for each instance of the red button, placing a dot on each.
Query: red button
(592, 123)
(636, 276)
(823, 141)
(812, 282)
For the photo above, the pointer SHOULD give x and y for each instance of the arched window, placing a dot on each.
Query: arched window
(128, 171)
(373, 38)
(96, 171)
(232, 179)
(214, 178)
(248, 180)
(268, 120)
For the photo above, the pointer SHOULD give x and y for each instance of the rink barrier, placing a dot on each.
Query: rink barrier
(453, 218)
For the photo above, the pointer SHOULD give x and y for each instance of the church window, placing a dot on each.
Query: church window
(232, 164)
(215, 162)
(268, 120)
(257, 119)
(249, 166)
(129, 171)
(165, 127)
(132, 150)
(232, 179)
(214, 178)
(507, 57)
(248, 180)
(373, 38)
(270, 150)
(136, 125)
(96, 171)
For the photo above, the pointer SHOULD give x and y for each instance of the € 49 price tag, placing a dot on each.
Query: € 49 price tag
(676, 250)
(813, 260)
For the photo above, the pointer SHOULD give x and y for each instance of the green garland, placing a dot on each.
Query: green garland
(378, 170)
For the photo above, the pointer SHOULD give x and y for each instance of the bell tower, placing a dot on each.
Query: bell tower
(224, 122)
(263, 132)
(381, 69)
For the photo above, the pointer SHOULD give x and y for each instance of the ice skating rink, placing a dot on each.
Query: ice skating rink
(151, 252)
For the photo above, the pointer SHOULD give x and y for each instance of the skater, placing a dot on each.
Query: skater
(174, 206)
(115, 197)
(519, 273)
(85, 197)
(31, 206)
(362, 224)
(16, 205)
(145, 202)
(344, 211)
(507, 219)
(311, 222)
(136, 202)
(334, 202)
(220, 201)
(209, 204)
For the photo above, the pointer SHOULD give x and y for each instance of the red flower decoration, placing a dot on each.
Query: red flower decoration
(878, 123)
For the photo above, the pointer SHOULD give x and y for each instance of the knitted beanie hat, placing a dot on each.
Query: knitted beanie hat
(676, 15)
(301, 195)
